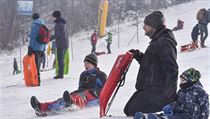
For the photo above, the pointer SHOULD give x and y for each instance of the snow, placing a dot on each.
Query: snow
(15, 97)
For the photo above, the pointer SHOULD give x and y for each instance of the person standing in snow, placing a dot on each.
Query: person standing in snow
(15, 66)
(191, 101)
(158, 73)
(61, 37)
(203, 20)
(194, 35)
(109, 42)
(91, 82)
(35, 47)
(94, 41)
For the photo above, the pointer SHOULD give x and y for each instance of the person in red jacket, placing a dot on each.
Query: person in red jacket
(94, 41)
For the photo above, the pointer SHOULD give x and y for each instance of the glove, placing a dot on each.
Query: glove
(167, 109)
(30, 51)
(135, 53)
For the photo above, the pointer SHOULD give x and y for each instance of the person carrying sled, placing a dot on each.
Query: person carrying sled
(194, 36)
(203, 20)
(91, 83)
(35, 47)
(94, 41)
(191, 101)
(109, 42)
(158, 73)
(61, 37)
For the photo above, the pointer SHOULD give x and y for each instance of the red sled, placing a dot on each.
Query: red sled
(188, 47)
(115, 80)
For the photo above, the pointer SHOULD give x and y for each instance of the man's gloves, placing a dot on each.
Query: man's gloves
(136, 53)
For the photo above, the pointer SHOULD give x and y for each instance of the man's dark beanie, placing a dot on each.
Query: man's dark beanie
(155, 19)
(91, 58)
(56, 14)
(35, 16)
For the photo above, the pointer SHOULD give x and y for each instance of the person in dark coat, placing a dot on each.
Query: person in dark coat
(91, 82)
(158, 73)
(194, 35)
(94, 41)
(15, 66)
(36, 47)
(61, 37)
(191, 101)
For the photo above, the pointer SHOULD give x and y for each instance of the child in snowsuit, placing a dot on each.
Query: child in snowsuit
(91, 82)
(109, 42)
(191, 101)
(194, 36)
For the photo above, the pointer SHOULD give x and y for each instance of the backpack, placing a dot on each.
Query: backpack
(208, 11)
(43, 34)
(200, 15)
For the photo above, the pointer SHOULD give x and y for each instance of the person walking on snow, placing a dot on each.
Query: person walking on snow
(191, 101)
(109, 42)
(35, 47)
(91, 82)
(158, 73)
(15, 66)
(61, 37)
(94, 41)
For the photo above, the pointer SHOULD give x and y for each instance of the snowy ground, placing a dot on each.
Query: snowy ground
(15, 97)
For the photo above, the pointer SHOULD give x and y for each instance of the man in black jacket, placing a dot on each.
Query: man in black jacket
(157, 77)
(61, 37)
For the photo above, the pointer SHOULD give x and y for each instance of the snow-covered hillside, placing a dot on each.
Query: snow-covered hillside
(15, 97)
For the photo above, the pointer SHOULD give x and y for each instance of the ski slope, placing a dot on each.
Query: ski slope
(15, 97)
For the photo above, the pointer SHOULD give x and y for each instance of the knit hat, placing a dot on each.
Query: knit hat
(91, 58)
(155, 19)
(56, 14)
(35, 16)
(191, 75)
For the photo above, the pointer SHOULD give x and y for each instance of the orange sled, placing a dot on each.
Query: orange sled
(30, 71)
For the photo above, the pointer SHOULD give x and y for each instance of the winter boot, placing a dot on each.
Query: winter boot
(202, 45)
(36, 105)
(67, 99)
(139, 115)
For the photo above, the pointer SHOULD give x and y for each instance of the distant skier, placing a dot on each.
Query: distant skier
(191, 101)
(94, 41)
(90, 84)
(109, 42)
(15, 67)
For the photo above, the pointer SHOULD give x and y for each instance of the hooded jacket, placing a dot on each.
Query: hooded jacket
(158, 71)
(34, 44)
(61, 33)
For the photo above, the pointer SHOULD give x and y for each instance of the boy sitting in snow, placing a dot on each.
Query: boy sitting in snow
(91, 82)
(191, 101)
